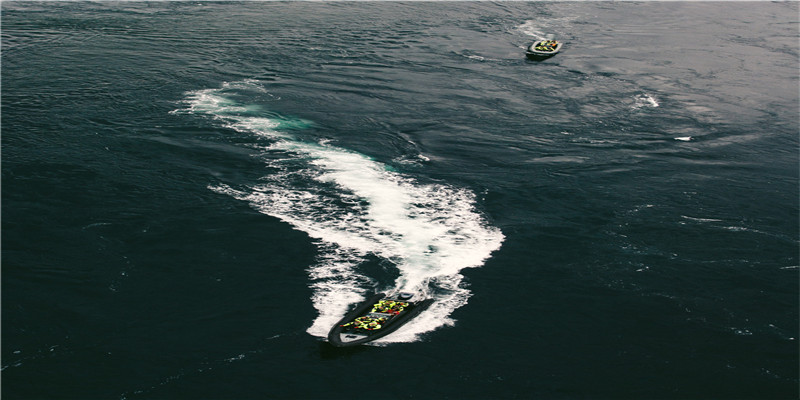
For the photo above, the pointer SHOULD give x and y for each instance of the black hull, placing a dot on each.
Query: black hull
(340, 337)
(538, 57)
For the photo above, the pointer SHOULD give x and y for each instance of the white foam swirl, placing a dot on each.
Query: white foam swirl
(644, 100)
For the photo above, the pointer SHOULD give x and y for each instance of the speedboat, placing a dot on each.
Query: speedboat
(542, 49)
(377, 317)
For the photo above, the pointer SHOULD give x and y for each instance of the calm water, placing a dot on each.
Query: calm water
(193, 193)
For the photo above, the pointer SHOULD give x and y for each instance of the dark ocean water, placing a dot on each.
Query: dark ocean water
(194, 192)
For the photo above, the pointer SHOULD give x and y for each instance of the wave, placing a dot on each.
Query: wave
(356, 208)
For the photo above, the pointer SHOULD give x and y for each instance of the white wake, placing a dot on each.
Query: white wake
(354, 208)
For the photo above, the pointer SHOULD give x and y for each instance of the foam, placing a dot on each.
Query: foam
(532, 28)
(644, 100)
(353, 206)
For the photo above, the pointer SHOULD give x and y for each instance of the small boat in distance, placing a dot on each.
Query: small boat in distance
(377, 317)
(542, 49)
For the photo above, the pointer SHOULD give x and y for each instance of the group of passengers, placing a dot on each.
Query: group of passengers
(389, 307)
(366, 322)
(547, 45)
(372, 323)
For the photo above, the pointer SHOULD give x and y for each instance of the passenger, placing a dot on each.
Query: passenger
(356, 322)
(378, 307)
(383, 306)
(362, 322)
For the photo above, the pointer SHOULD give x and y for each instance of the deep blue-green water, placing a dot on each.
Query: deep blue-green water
(194, 192)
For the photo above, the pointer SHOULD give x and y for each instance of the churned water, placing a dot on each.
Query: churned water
(195, 192)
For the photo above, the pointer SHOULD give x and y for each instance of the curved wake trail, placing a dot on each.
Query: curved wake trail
(355, 207)
(532, 28)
